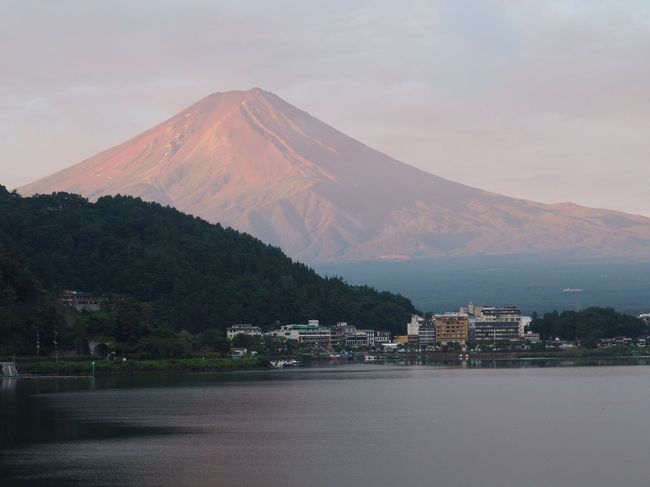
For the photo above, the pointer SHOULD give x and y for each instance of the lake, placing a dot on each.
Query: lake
(362, 425)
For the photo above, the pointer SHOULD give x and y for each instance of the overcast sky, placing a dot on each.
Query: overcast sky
(546, 100)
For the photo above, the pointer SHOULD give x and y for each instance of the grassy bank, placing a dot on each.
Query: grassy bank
(107, 367)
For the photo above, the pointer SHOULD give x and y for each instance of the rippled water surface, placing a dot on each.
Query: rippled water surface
(363, 425)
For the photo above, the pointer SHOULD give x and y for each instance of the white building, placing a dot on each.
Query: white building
(312, 334)
(243, 329)
(382, 336)
(413, 326)
(371, 334)
(523, 323)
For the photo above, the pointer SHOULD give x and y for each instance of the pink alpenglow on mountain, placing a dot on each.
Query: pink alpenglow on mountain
(252, 161)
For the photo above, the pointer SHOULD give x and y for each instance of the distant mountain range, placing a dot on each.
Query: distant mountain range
(252, 161)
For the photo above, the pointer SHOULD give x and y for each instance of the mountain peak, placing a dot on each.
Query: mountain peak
(240, 96)
(253, 161)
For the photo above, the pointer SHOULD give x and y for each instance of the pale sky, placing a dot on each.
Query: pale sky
(546, 100)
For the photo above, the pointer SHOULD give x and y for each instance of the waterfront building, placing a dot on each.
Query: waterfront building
(495, 321)
(451, 328)
(619, 341)
(413, 326)
(494, 331)
(413, 330)
(243, 329)
(427, 333)
(311, 334)
(358, 339)
(338, 333)
(491, 313)
(371, 334)
(500, 313)
(530, 337)
(382, 336)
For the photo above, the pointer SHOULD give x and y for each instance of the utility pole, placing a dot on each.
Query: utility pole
(56, 346)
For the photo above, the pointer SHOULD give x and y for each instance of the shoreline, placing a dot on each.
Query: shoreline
(84, 369)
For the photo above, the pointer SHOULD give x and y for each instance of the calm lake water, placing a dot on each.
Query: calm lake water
(362, 425)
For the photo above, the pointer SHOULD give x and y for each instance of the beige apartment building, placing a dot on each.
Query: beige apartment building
(451, 328)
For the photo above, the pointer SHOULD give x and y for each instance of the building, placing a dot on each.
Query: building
(495, 321)
(530, 337)
(311, 334)
(470, 310)
(427, 333)
(339, 332)
(81, 301)
(451, 328)
(494, 331)
(420, 331)
(524, 322)
(371, 334)
(403, 339)
(619, 341)
(413, 326)
(344, 335)
(382, 336)
(342, 331)
(500, 313)
(359, 339)
(243, 329)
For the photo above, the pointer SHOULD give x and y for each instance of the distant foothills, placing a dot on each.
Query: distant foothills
(123, 277)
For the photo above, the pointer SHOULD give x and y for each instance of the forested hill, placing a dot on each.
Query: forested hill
(195, 275)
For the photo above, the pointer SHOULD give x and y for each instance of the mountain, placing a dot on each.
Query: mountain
(192, 275)
(252, 161)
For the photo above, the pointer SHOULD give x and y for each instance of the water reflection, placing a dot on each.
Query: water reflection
(516, 363)
(382, 425)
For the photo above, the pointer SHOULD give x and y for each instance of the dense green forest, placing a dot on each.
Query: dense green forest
(179, 273)
(588, 326)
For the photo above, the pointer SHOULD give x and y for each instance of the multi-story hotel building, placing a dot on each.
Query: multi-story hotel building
(451, 328)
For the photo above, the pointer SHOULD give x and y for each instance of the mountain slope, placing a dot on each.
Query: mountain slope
(252, 161)
(195, 275)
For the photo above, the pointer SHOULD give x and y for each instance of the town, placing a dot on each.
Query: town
(480, 325)
(471, 329)
(114, 328)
